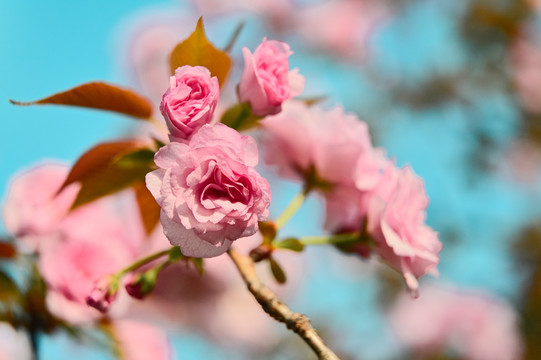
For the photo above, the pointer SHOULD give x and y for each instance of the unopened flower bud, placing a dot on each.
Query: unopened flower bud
(142, 285)
(103, 294)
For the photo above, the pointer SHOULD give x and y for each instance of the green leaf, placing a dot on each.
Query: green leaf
(277, 271)
(99, 173)
(8, 289)
(290, 244)
(10, 300)
(135, 158)
(102, 96)
(196, 50)
(108, 181)
(240, 117)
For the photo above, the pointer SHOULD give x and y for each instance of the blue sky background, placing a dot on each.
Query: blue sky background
(51, 46)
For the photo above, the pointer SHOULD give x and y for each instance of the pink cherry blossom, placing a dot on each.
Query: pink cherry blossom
(14, 344)
(147, 39)
(396, 221)
(341, 27)
(525, 61)
(216, 303)
(474, 325)
(190, 101)
(302, 139)
(140, 341)
(32, 208)
(266, 81)
(209, 192)
(81, 253)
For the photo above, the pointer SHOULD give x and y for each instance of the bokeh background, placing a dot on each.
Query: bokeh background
(452, 88)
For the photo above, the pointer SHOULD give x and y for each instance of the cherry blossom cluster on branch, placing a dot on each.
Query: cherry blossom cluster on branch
(203, 187)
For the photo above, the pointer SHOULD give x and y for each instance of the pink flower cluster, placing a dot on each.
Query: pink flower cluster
(207, 188)
(473, 325)
(364, 192)
(77, 250)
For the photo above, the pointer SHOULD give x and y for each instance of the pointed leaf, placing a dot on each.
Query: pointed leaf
(196, 50)
(100, 95)
(9, 292)
(277, 271)
(135, 158)
(101, 170)
(108, 181)
(99, 158)
(290, 244)
(148, 207)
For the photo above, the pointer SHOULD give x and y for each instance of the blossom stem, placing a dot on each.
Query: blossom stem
(291, 209)
(272, 305)
(141, 262)
(327, 240)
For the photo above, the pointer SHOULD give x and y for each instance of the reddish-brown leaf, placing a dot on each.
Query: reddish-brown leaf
(196, 50)
(7, 250)
(100, 95)
(99, 158)
(148, 207)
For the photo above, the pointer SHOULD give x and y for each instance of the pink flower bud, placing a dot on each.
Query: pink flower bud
(190, 101)
(142, 285)
(266, 81)
(103, 294)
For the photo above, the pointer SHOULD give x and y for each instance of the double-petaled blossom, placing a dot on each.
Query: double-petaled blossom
(89, 246)
(364, 192)
(190, 100)
(267, 81)
(396, 221)
(208, 190)
(473, 325)
(306, 141)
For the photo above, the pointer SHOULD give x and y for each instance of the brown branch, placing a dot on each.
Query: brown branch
(298, 323)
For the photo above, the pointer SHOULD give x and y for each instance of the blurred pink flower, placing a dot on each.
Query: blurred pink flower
(140, 341)
(525, 61)
(210, 194)
(146, 43)
(266, 81)
(472, 324)
(31, 208)
(278, 12)
(302, 139)
(81, 253)
(396, 221)
(14, 345)
(190, 101)
(216, 302)
(342, 27)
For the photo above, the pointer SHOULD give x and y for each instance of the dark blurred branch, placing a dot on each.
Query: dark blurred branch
(298, 323)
